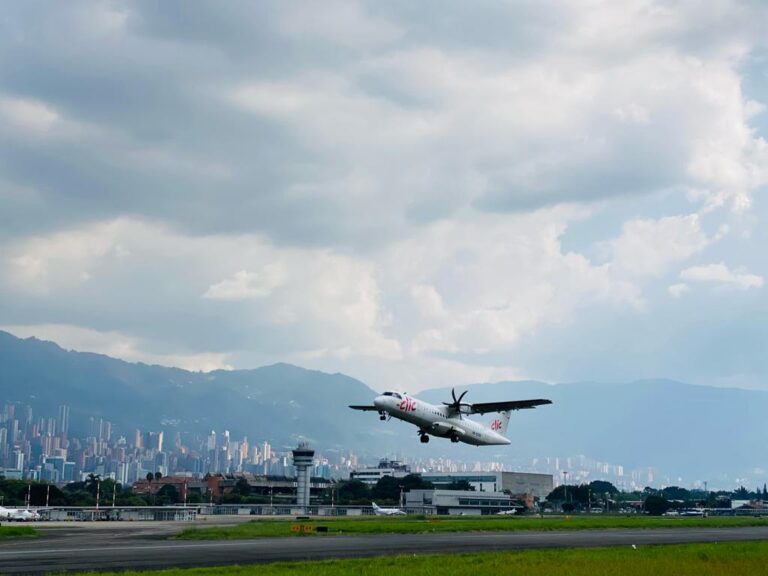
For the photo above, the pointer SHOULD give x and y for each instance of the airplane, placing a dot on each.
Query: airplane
(379, 511)
(18, 514)
(449, 421)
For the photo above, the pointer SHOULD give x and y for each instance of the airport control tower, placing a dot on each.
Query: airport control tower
(302, 459)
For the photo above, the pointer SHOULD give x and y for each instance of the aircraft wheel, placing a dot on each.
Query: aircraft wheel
(454, 438)
(382, 416)
(424, 438)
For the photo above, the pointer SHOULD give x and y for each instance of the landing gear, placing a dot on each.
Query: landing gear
(424, 438)
(454, 439)
(382, 415)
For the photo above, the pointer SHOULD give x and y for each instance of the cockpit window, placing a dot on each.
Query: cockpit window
(394, 394)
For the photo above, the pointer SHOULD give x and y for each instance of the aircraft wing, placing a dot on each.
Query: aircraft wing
(483, 407)
(365, 408)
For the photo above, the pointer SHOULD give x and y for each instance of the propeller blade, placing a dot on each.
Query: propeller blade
(461, 397)
(453, 393)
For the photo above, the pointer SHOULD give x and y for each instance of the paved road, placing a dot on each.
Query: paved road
(143, 548)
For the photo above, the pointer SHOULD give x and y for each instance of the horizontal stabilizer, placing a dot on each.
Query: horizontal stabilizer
(483, 407)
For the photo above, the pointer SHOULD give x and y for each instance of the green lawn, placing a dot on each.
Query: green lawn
(743, 559)
(17, 532)
(410, 525)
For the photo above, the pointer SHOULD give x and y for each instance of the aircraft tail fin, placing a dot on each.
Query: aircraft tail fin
(499, 422)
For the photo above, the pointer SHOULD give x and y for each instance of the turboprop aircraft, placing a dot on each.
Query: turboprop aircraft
(379, 511)
(449, 420)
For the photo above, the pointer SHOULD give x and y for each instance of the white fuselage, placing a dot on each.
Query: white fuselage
(437, 420)
(19, 514)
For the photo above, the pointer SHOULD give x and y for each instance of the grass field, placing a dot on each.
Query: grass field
(744, 559)
(17, 532)
(411, 525)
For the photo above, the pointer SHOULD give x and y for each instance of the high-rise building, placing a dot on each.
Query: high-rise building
(105, 429)
(18, 460)
(63, 421)
(154, 441)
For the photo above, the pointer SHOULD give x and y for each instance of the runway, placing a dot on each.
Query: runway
(145, 547)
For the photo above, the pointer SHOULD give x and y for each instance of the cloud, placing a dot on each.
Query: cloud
(721, 274)
(677, 290)
(116, 345)
(244, 284)
(27, 114)
(379, 188)
(650, 247)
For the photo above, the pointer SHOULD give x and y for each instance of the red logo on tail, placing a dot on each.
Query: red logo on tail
(496, 425)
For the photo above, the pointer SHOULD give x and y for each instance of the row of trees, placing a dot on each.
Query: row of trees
(654, 501)
(386, 491)
(15, 493)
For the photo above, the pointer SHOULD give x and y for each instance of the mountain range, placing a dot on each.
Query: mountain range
(695, 432)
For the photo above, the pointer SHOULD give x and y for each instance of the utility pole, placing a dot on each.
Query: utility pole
(29, 495)
(98, 490)
(47, 495)
(114, 493)
(565, 485)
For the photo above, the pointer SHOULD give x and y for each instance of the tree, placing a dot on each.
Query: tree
(460, 485)
(150, 476)
(564, 493)
(656, 505)
(158, 475)
(601, 487)
(168, 494)
(92, 482)
(415, 482)
(676, 493)
(387, 488)
(242, 487)
(741, 494)
(353, 490)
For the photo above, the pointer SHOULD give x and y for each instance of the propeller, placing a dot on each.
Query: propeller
(457, 402)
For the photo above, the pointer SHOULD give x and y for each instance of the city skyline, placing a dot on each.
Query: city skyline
(37, 449)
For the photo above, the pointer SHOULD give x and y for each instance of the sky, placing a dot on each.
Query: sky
(416, 194)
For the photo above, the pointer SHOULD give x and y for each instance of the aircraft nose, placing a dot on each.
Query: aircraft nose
(380, 401)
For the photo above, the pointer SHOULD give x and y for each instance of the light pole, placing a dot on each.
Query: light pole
(565, 485)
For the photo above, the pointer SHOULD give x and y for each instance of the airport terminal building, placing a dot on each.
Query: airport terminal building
(537, 485)
(460, 502)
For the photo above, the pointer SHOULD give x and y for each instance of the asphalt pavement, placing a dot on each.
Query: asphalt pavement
(146, 546)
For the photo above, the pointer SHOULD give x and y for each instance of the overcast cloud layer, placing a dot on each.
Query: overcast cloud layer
(416, 194)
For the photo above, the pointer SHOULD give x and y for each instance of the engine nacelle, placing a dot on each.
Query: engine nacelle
(445, 429)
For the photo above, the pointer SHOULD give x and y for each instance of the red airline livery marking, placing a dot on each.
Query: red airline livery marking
(496, 425)
(407, 405)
